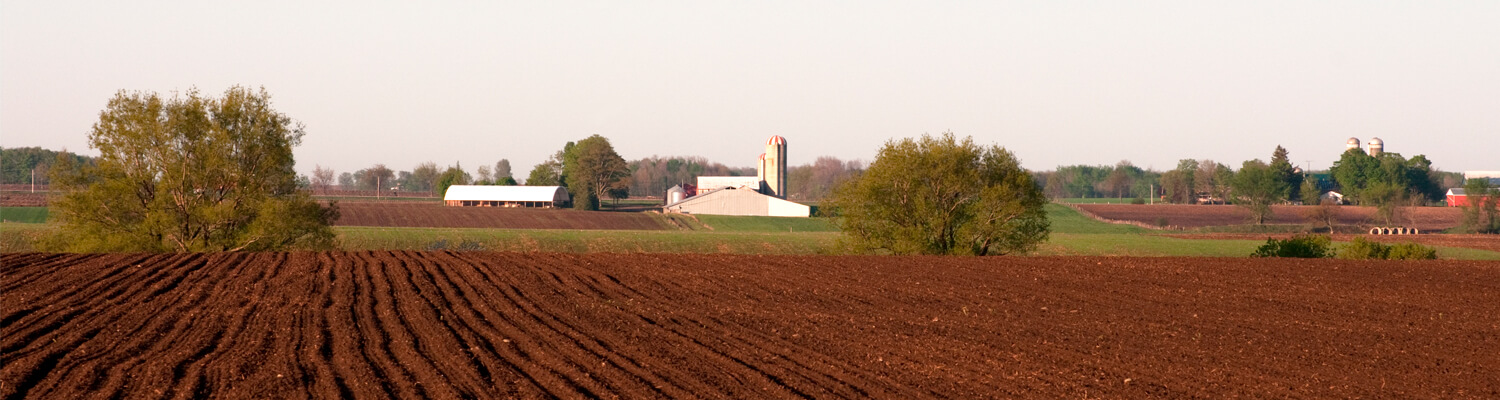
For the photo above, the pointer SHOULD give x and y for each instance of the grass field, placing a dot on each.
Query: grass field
(731, 223)
(30, 215)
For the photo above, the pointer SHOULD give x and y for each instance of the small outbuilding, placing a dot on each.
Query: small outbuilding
(739, 201)
(507, 196)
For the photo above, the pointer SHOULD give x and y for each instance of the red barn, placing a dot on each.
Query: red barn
(1457, 198)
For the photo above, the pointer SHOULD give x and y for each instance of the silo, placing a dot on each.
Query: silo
(1352, 144)
(775, 170)
(1376, 146)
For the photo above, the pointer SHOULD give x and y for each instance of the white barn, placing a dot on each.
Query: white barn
(734, 201)
(506, 196)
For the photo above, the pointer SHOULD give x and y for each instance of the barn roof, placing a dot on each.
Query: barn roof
(506, 193)
(1457, 192)
(731, 201)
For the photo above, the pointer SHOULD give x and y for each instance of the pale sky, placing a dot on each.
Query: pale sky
(1056, 82)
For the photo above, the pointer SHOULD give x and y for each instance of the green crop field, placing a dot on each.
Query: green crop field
(732, 223)
(32, 215)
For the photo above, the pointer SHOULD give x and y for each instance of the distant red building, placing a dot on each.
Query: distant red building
(1457, 198)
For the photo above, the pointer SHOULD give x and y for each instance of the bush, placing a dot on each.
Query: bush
(1161, 222)
(1362, 249)
(1138, 201)
(1300, 246)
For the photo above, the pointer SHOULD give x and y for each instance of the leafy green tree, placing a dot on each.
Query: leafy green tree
(1353, 172)
(22, 164)
(547, 173)
(189, 174)
(1284, 169)
(940, 195)
(1256, 187)
(1309, 192)
(454, 175)
(592, 168)
(506, 181)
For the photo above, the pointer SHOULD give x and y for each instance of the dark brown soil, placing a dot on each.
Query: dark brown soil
(434, 215)
(503, 325)
(1197, 216)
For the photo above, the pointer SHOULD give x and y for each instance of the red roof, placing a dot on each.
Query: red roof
(776, 140)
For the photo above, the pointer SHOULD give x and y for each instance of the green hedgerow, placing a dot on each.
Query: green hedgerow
(1300, 246)
(1362, 249)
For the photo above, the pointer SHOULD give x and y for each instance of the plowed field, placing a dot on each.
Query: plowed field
(1197, 216)
(498, 325)
(432, 215)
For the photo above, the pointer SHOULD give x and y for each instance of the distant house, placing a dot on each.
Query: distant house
(507, 196)
(1457, 197)
(738, 201)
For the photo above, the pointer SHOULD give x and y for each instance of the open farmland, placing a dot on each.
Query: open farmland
(1197, 216)
(434, 215)
(452, 325)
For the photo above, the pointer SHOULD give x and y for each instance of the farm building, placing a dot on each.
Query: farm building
(763, 194)
(1457, 197)
(1335, 197)
(506, 196)
(708, 184)
(739, 201)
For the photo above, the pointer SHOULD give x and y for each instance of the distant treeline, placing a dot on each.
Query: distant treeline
(18, 163)
(649, 176)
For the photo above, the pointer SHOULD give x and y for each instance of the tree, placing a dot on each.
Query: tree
(940, 195)
(1284, 170)
(424, 177)
(322, 178)
(1309, 192)
(1326, 213)
(506, 181)
(1482, 215)
(547, 173)
(189, 174)
(346, 181)
(1255, 187)
(375, 177)
(454, 175)
(502, 170)
(485, 176)
(592, 168)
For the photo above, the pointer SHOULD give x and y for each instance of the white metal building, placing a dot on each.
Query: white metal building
(736, 201)
(708, 184)
(506, 196)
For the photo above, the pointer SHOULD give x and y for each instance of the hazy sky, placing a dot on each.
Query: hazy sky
(1056, 82)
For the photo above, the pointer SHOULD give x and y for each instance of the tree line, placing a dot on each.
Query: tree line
(645, 177)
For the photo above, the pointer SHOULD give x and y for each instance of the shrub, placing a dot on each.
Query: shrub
(1362, 249)
(1300, 246)
(1161, 222)
(1138, 200)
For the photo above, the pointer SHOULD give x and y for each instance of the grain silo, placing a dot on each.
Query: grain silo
(775, 167)
(1377, 146)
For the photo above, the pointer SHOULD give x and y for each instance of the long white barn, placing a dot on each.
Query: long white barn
(506, 196)
(739, 201)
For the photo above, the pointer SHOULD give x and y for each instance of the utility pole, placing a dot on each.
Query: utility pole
(33, 179)
(377, 187)
(1153, 194)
